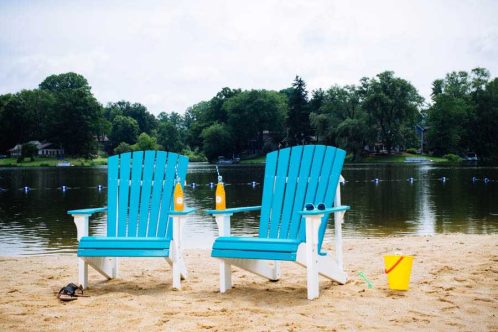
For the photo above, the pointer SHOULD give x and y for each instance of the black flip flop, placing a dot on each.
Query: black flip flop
(68, 293)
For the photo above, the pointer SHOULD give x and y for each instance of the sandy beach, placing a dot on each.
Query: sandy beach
(454, 286)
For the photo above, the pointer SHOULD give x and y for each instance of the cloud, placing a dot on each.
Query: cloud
(169, 55)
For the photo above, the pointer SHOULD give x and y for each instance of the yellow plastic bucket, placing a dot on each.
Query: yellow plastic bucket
(398, 270)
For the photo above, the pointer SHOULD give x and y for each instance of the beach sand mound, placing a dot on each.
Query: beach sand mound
(454, 286)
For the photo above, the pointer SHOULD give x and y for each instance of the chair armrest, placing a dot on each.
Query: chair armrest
(234, 210)
(87, 211)
(182, 213)
(326, 211)
(81, 218)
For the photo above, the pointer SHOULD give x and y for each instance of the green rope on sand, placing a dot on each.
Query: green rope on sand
(364, 277)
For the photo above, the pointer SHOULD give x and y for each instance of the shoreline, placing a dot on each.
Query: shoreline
(454, 286)
(102, 161)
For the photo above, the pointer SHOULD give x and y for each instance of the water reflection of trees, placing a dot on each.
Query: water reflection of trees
(37, 220)
(39, 215)
(463, 206)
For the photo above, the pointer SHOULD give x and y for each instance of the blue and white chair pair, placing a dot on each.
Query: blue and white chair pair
(141, 222)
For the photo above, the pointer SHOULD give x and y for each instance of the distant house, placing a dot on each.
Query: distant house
(45, 149)
(380, 149)
(102, 139)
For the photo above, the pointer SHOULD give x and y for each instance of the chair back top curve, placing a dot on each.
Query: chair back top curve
(294, 177)
(140, 192)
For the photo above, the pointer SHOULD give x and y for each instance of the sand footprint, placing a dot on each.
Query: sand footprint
(483, 299)
(423, 314)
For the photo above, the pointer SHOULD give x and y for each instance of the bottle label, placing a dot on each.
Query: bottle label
(179, 200)
(218, 199)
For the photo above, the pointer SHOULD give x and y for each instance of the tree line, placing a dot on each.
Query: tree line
(377, 114)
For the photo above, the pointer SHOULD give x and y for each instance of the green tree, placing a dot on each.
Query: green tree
(24, 117)
(28, 150)
(351, 135)
(298, 117)
(124, 129)
(145, 142)
(392, 106)
(479, 79)
(204, 114)
(172, 131)
(485, 143)
(145, 120)
(196, 121)
(447, 118)
(122, 148)
(5, 144)
(456, 116)
(168, 136)
(64, 82)
(251, 113)
(317, 101)
(76, 114)
(217, 113)
(217, 141)
(342, 121)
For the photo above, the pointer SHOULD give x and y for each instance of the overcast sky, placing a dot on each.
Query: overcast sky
(169, 55)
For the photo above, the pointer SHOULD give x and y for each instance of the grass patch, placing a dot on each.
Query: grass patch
(257, 160)
(371, 159)
(401, 158)
(51, 162)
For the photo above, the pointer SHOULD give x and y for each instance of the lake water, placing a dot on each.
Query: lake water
(35, 222)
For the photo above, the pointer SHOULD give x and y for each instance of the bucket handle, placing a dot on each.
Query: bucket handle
(395, 264)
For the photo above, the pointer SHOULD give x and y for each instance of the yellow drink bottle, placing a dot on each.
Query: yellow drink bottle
(220, 195)
(178, 200)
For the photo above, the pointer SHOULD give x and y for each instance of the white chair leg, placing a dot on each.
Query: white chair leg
(312, 274)
(82, 273)
(312, 225)
(178, 269)
(223, 222)
(338, 220)
(176, 260)
(225, 276)
(326, 265)
(115, 267)
(176, 277)
(81, 222)
(276, 271)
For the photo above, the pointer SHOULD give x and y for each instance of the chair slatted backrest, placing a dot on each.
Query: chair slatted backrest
(140, 192)
(294, 177)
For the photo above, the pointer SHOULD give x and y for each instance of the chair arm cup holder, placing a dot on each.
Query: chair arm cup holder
(87, 212)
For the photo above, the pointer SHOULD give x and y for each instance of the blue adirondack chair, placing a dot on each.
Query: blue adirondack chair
(293, 178)
(140, 217)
